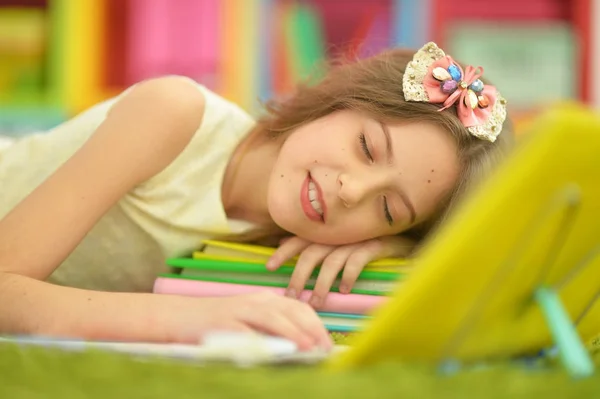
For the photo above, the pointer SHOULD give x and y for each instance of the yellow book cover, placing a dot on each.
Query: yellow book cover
(230, 251)
(82, 31)
(534, 223)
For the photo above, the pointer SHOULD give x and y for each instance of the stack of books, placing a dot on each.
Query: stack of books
(227, 269)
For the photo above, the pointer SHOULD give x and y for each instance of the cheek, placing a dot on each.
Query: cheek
(279, 192)
(438, 188)
(323, 147)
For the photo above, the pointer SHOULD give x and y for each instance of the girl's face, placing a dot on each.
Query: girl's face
(346, 178)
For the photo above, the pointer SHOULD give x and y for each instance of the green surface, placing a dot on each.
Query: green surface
(42, 373)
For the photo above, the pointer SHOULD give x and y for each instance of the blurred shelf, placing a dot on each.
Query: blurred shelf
(252, 50)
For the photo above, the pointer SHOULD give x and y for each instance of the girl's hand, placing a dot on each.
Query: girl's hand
(352, 258)
(265, 312)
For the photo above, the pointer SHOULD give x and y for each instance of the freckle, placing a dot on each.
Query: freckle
(281, 175)
(315, 161)
(433, 170)
(428, 181)
(326, 175)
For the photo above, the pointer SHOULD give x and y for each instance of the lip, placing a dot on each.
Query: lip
(305, 201)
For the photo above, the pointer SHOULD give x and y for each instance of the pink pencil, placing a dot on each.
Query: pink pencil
(334, 302)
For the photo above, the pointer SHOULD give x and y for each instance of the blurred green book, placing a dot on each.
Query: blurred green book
(22, 50)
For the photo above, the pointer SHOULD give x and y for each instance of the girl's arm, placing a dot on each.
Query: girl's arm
(29, 306)
(142, 134)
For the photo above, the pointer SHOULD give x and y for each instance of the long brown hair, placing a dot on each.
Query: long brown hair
(374, 86)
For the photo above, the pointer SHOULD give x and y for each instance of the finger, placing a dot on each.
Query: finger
(356, 263)
(308, 320)
(331, 267)
(277, 322)
(287, 250)
(302, 316)
(308, 260)
(280, 325)
(284, 240)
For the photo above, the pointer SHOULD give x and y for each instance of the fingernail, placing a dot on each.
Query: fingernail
(270, 264)
(291, 293)
(326, 344)
(306, 344)
(315, 301)
(344, 289)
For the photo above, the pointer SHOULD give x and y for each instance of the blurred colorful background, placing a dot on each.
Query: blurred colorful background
(58, 57)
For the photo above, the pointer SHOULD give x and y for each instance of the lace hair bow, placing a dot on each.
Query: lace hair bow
(434, 77)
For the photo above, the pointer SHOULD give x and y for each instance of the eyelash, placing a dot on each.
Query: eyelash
(387, 213)
(365, 149)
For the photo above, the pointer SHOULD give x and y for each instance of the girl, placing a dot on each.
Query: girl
(348, 168)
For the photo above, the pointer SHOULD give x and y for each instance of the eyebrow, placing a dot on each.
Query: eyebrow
(390, 158)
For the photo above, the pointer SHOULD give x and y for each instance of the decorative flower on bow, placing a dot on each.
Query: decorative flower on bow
(432, 76)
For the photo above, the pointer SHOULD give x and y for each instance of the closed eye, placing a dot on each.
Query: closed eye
(387, 213)
(365, 148)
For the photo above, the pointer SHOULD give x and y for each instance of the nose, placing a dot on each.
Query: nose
(354, 188)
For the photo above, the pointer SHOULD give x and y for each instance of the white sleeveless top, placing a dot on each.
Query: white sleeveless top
(166, 216)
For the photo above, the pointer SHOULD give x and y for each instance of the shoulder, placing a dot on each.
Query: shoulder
(183, 101)
(173, 90)
(186, 196)
(224, 118)
(173, 99)
(203, 127)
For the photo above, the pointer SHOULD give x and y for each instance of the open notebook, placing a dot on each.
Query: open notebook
(524, 246)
